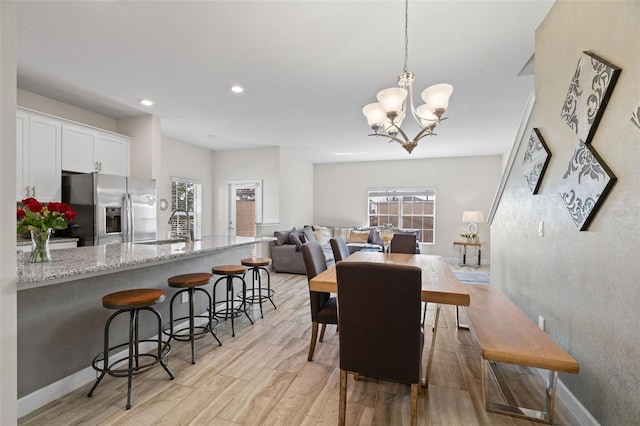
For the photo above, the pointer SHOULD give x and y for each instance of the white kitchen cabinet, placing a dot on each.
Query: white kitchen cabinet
(86, 150)
(77, 148)
(39, 156)
(112, 154)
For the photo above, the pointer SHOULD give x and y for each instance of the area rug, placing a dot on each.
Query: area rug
(472, 277)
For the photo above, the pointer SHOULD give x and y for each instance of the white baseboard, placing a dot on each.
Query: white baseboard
(581, 414)
(49, 393)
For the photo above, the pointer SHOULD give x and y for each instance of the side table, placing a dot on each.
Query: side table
(462, 249)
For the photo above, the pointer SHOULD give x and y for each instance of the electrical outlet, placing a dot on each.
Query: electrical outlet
(185, 297)
(541, 322)
(541, 229)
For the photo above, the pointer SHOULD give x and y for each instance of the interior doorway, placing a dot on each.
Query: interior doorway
(245, 207)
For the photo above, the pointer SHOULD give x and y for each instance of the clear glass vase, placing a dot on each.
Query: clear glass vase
(386, 235)
(40, 246)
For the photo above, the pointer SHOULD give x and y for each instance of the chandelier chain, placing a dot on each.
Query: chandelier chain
(406, 34)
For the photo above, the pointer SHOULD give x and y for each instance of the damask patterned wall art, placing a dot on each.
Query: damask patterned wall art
(536, 159)
(585, 185)
(588, 94)
(635, 117)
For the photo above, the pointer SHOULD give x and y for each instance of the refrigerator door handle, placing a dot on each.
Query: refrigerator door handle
(125, 216)
(131, 216)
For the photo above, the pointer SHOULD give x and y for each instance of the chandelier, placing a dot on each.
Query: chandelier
(385, 116)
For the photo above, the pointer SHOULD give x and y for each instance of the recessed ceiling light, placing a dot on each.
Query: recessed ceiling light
(146, 102)
(237, 89)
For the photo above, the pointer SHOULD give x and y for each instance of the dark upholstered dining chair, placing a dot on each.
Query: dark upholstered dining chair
(404, 243)
(323, 306)
(385, 346)
(339, 248)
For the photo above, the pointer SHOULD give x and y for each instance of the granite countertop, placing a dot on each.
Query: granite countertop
(71, 263)
(53, 240)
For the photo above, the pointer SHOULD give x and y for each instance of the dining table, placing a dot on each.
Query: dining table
(439, 284)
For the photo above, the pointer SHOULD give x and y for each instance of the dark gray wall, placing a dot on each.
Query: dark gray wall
(585, 284)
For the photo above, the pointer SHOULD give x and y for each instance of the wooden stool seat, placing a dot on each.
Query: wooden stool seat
(259, 294)
(111, 360)
(133, 299)
(231, 307)
(190, 280)
(256, 261)
(175, 328)
(229, 269)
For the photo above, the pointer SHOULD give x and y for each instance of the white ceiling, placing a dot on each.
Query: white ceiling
(308, 68)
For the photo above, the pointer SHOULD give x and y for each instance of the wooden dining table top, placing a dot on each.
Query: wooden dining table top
(439, 283)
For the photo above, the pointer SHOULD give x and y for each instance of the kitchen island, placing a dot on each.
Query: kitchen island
(60, 314)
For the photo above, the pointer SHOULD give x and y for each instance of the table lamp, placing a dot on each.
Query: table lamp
(471, 217)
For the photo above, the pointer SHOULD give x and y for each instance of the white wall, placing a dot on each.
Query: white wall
(585, 284)
(60, 109)
(340, 192)
(296, 190)
(184, 160)
(252, 164)
(8, 276)
(146, 144)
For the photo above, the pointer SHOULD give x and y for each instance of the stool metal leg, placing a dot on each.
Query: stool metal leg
(133, 335)
(268, 286)
(133, 355)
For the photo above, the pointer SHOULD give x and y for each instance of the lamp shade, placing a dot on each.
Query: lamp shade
(437, 96)
(472, 216)
(392, 99)
(374, 113)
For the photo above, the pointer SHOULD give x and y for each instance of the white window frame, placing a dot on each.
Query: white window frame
(430, 193)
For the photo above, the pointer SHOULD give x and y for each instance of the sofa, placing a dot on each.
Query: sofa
(285, 250)
(286, 255)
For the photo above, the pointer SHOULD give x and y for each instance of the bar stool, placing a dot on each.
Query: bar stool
(257, 264)
(233, 307)
(133, 302)
(190, 284)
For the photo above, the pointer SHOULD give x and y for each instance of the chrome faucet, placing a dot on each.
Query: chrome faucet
(189, 237)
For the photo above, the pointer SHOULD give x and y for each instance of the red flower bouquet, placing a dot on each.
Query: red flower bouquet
(36, 216)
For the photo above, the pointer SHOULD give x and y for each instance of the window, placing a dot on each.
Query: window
(411, 209)
(186, 195)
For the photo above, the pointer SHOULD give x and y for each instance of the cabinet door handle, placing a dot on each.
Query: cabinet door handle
(95, 166)
(33, 191)
(27, 191)
(100, 166)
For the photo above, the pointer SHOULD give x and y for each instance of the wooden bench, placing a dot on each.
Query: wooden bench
(505, 334)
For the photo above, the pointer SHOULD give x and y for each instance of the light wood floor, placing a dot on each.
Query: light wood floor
(262, 377)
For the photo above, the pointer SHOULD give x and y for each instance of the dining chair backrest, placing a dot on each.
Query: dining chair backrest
(314, 263)
(339, 248)
(379, 320)
(404, 243)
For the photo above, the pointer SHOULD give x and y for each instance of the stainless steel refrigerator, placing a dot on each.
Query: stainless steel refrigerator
(110, 209)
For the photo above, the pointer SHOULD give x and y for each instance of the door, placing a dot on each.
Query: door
(142, 198)
(245, 208)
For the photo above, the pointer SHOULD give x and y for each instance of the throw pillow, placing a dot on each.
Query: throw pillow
(308, 234)
(375, 237)
(360, 237)
(339, 231)
(322, 234)
(294, 238)
(282, 237)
